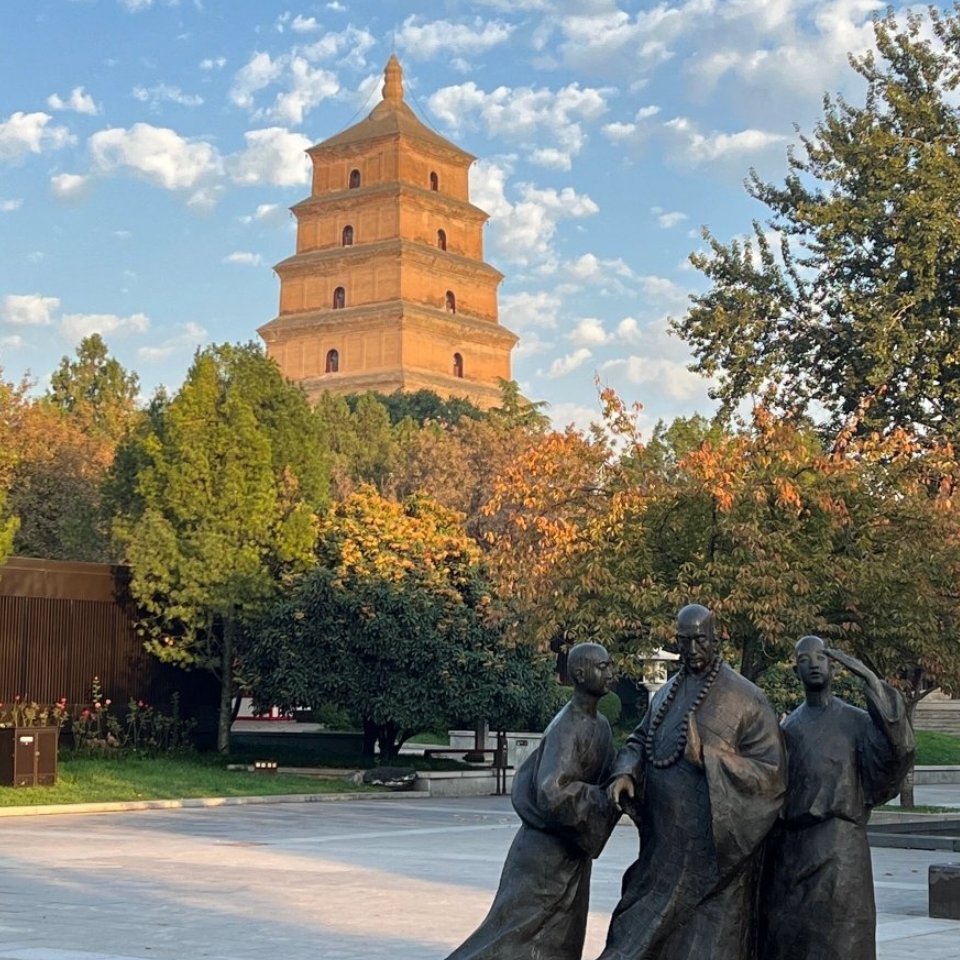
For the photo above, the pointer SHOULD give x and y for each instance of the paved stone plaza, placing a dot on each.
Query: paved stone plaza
(398, 878)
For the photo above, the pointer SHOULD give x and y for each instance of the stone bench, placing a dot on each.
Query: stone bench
(944, 884)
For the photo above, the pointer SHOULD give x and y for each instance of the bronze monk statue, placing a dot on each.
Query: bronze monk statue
(703, 775)
(540, 910)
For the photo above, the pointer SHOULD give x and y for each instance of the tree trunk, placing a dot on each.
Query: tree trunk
(226, 687)
(369, 738)
(907, 800)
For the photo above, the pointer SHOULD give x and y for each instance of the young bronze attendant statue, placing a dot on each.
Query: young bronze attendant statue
(540, 910)
(818, 892)
(704, 776)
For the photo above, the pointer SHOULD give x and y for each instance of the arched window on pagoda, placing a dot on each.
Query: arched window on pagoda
(354, 179)
(442, 239)
(458, 366)
(451, 302)
(347, 239)
(434, 181)
(333, 362)
(339, 298)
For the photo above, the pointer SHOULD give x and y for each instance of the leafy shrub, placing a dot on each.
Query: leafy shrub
(611, 707)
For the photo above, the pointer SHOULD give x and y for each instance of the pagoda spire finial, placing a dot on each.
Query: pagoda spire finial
(393, 79)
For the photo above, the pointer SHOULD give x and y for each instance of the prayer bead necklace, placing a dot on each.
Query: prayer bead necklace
(663, 762)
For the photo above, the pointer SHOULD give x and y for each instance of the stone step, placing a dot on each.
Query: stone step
(939, 715)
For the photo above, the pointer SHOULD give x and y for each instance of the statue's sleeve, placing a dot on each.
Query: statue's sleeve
(746, 774)
(886, 745)
(569, 803)
(631, 757)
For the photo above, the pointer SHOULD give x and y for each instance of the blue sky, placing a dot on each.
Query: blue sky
(150, 150)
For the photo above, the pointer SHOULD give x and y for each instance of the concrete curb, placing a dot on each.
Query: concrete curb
(124, 806)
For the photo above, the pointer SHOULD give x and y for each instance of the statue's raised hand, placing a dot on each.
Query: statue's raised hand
(855, 666)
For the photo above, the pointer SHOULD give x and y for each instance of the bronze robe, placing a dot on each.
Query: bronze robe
(818, 901)
(540, 910)
(691, 893)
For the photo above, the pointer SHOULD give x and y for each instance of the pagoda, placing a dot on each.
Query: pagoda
(388, 289)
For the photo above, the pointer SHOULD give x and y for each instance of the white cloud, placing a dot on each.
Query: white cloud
(563, 415)
(29, 310)
(589, 332)
(669, 377)
(76, 326)
(271, 214)
(304, 85)
(567, 364)
(700, 148)
(156, 154)
(514, 6)
(349, 46)
(135, 5)
(245, 258)
(14, 342)
(213, 63)
(337, 7)
(663, 290)
(307, 86)
(525, 115)
(78, 101)
(69, 186)
(523, 310)
(205, 198)
(164, 93)
(427, 40)
(668, 219)
(523, 232)
(273, 155)
(259, 72)
(531, 345)
(24, 133)
(8, 206)
(191, 335)
(301, 24)
(590, 270)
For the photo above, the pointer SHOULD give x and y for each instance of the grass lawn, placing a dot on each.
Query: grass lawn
(84, 780)
(937, 749)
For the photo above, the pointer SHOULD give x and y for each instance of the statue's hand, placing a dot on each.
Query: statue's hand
(855, 666)
(694, 750)
(619, 788)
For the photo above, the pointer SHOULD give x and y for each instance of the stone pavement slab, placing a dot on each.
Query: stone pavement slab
(365, 880)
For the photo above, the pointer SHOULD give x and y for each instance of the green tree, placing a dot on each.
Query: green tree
(8, 529)
(52, 469)
(422, 406)
(403, 654)
(359, 441)
(855, 308)
(96, 390)
(396, 624)
(218, 516)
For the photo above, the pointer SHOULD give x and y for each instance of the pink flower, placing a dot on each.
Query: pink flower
(97, 705)
(108, 702)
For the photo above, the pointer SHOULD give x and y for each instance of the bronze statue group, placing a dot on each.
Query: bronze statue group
(753, 842)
